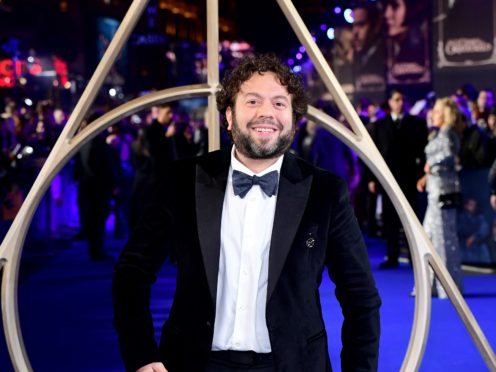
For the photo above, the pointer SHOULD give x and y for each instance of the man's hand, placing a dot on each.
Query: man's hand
(421, 184)
(470, 240)
(153, 367)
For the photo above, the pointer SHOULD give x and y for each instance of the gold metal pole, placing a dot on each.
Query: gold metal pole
(213, 73)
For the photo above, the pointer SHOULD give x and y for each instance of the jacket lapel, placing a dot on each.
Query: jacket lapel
(294, 188)
(211, 181)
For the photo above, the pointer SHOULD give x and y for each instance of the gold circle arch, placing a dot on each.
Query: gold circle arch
(357, 137)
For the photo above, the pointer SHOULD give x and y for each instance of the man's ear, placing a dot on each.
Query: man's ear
(229, 118)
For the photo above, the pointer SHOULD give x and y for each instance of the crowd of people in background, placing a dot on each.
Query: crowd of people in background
(109, 176)
(112, 173)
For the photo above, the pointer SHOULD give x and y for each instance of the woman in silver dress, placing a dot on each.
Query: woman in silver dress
(442, 185)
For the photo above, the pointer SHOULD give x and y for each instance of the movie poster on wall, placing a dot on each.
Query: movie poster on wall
(466, 32)
(408, 51)
(358, 53)
(368, 50)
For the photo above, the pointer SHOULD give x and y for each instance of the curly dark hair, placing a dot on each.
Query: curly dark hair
(248, 66)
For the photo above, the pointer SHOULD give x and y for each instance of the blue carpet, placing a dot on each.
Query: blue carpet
(66, 314)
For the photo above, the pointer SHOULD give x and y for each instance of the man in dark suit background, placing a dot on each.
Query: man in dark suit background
(253, 229)
(401, 139)
(152, 150)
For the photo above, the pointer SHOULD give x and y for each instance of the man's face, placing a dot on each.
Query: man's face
(360, 29)
(164, 115)
(261, 122)
(58, 116)
(471, 206)
(396, 103)
(485, 99)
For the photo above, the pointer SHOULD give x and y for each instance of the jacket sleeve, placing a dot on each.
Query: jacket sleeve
(349, 269)
(492, 178)
(134, 274)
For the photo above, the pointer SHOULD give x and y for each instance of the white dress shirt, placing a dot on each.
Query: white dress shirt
(396, 117)
(246, 232)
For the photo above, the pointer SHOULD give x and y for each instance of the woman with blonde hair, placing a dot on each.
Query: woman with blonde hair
(443, 188)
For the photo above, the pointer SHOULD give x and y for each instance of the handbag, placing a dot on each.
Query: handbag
(450, 200)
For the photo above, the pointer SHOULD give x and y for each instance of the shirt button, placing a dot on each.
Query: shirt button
(237, 344)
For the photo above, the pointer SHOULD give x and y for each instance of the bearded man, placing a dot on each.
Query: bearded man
(253, 229)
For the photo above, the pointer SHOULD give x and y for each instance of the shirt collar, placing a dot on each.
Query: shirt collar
(396, 117)
(237, 165)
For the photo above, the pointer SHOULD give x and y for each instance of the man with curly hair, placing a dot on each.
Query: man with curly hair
(253, 228)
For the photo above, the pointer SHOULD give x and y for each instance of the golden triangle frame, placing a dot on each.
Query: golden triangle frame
(423, 254)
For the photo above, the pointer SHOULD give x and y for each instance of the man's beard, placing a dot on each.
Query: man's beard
(248, 147)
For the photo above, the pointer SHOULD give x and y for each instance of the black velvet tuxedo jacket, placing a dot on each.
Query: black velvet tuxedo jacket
(314, 227)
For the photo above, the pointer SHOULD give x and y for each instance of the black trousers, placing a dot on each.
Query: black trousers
(242, 361)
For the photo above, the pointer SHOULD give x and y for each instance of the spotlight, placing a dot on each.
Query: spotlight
(337, 10)
(28, 102)
(30, 59)
(323, 27)
(290, 61)
(297, 68)
(348, 15)
(27, 150)
(330, 33)
(67, 85)
(112, 92)
(135, 119)
(302, 49)
(299, 56)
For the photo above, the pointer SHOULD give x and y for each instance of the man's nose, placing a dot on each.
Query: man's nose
(266, 109)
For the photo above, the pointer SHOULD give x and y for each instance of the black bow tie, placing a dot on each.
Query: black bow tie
(242, 183)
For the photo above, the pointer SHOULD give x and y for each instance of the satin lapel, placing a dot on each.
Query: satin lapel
(294, 188)
(211, 181)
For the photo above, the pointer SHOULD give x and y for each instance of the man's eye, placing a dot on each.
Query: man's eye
(252, 102)
(280, 104)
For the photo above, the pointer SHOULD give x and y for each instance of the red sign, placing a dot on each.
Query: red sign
(10, 70)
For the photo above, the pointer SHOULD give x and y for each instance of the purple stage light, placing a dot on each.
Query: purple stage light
(299, 56)
(337, 10)
(323, 27)
(290, 61)
(302, 49)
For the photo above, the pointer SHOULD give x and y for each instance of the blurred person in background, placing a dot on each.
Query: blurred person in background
(482, 108)
(443, 189)
(152, 150)
(96, 174)
(473, 234)
(401, 139)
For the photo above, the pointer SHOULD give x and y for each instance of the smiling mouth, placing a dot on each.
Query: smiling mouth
(264, 130)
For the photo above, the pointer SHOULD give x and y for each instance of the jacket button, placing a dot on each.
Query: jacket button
(310, 242)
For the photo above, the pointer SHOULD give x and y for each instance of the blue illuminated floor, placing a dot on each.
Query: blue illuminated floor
(66, 316)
